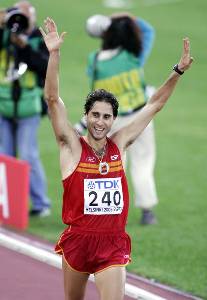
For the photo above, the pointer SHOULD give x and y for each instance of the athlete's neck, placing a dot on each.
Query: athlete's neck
(97, 145)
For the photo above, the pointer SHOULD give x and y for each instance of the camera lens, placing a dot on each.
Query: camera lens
(16, 22)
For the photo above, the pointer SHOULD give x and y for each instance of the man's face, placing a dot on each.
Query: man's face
(99, 120)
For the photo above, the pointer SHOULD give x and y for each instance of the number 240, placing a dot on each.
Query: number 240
(116, 198)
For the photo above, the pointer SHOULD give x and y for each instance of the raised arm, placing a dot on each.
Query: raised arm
(67, 138)
(128, 134)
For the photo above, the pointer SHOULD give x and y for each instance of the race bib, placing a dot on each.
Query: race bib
(103, 196)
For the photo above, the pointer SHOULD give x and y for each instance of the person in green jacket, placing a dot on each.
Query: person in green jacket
(23, 63)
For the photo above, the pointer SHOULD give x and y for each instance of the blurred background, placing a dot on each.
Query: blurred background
(175, 250)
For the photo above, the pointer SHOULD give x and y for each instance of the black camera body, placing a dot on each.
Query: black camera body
(16, 21)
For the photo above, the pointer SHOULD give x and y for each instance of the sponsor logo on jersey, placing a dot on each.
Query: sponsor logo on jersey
(99, 184)
(91, 159)
(114, 157)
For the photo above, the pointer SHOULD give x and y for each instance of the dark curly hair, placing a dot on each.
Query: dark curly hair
(101, 95)
(123, 32)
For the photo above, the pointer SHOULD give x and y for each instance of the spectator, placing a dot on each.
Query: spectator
(23, 64)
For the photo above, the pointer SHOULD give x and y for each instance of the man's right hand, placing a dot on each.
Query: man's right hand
(51, 37)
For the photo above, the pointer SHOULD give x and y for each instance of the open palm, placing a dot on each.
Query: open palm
(51, 37)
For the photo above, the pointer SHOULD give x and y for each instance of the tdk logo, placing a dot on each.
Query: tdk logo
(104, 184)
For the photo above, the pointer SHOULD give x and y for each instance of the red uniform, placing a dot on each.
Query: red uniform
(95, 206)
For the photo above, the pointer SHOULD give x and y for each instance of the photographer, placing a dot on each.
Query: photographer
(23, 63)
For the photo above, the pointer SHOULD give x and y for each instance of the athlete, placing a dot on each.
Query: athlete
(95, 199)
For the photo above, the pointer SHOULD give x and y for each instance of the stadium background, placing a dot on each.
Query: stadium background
(174, 251)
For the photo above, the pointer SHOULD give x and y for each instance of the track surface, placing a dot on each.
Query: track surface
(22, 277)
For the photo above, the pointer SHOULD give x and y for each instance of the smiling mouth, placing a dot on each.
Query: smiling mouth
(99, 130)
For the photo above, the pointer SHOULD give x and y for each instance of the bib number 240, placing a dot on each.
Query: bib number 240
(103, 196)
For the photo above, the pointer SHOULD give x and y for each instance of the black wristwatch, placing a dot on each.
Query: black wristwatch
(176, 69)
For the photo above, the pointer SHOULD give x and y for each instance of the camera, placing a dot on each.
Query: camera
(16, 21)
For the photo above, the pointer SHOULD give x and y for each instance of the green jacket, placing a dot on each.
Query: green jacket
(29, 86)
(122, 76)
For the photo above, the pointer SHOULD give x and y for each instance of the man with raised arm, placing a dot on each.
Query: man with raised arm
(95, 198)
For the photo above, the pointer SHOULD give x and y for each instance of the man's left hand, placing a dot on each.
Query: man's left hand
(186, 60)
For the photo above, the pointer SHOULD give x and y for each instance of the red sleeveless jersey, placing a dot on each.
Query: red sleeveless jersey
(96, 197)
